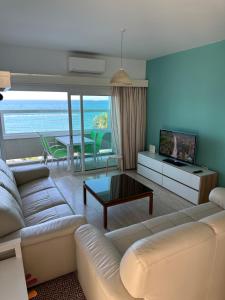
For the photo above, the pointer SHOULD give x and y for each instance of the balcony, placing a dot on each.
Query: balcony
(21, 129)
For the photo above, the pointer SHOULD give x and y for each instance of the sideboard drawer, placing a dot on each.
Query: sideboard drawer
(181, 190)
(150, 163)
(186, 178)
(150, 174)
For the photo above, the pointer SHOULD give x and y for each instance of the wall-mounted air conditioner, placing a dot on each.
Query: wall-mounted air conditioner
(86, 65)
(5, 81)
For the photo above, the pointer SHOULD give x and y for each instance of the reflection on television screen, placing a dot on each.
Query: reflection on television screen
(180, 146)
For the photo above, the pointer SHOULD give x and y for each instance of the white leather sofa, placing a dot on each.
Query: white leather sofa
(173, 257)
(32, 208)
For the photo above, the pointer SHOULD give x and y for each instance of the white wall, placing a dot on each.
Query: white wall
(44, 61)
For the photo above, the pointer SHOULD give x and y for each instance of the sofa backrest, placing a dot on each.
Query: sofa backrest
(171, 265)
(10, 186)
(11, 217)
(5, 169)
(217, 285)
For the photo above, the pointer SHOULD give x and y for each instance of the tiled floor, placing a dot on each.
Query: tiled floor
(120, 215)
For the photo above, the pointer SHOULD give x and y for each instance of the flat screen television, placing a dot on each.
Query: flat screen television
(177, 145)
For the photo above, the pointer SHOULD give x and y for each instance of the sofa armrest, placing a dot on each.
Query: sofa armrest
(51, 230)
(48, 249)
(26, 174)
(98, 263)
(217, 196)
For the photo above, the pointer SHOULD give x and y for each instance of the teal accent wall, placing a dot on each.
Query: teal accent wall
(187, 93)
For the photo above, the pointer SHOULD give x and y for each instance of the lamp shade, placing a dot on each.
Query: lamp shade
(121, 78)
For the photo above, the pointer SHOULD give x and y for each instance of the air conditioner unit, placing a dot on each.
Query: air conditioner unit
(5, 81)
(86, 65)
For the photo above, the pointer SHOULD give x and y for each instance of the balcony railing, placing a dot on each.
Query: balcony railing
(21, 128)
(26, 123)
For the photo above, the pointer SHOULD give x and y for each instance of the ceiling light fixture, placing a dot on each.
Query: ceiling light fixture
(121, 77)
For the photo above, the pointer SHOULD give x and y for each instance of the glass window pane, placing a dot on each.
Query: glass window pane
(97, 130)
(97, 112)
(30, 112)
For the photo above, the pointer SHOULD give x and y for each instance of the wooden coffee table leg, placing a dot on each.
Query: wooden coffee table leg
(85, 195)
(150, 203)
(105, 216)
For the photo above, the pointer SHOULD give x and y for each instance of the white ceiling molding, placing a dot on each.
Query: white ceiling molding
(34, 79)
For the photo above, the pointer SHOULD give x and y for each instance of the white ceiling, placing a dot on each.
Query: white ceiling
(154, 27)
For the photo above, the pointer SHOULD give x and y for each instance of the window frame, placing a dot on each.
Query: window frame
(70, 90)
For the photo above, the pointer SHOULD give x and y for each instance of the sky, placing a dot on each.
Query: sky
(56, 96)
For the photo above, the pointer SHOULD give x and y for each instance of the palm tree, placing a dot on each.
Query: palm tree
(101, 121)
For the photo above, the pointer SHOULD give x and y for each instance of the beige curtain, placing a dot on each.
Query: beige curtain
(128, 123)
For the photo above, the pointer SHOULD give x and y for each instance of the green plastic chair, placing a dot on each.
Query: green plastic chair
(98, 142)
(89, 148)
(55, 151)
(77, 149)
(93, 135)
(77, 154)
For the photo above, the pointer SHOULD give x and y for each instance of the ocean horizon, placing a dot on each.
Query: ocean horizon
(31, 121)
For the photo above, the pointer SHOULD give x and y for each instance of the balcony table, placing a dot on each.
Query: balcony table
(77, 140)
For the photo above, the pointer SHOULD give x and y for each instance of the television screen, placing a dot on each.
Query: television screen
(180, 146)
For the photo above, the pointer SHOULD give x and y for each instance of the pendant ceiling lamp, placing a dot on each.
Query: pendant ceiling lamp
(121, 77)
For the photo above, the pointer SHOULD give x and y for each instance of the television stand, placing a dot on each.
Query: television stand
(174, 162)
(191, 182)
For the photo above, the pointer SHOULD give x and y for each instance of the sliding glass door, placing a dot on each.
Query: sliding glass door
(72, 129)
(97, 131)
(91, 127)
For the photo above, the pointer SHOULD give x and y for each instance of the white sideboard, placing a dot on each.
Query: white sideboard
(194, 187)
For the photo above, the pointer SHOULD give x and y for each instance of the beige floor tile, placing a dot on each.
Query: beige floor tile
(121, 215)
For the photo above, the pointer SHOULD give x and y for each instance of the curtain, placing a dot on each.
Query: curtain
(128, 123)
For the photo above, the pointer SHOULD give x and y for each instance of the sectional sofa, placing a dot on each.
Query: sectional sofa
(32, 208)
(172, 257)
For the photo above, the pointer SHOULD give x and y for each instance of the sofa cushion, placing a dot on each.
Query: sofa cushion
(123, 238)
(35, 186)
(11, 218)
(41, 200)
(51, 213)
(201, 211)
(10, 186)
(4, 168)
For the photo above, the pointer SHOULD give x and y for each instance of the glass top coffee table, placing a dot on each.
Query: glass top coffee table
(110, 191)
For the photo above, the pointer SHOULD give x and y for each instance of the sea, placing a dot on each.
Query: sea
(49, 116)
